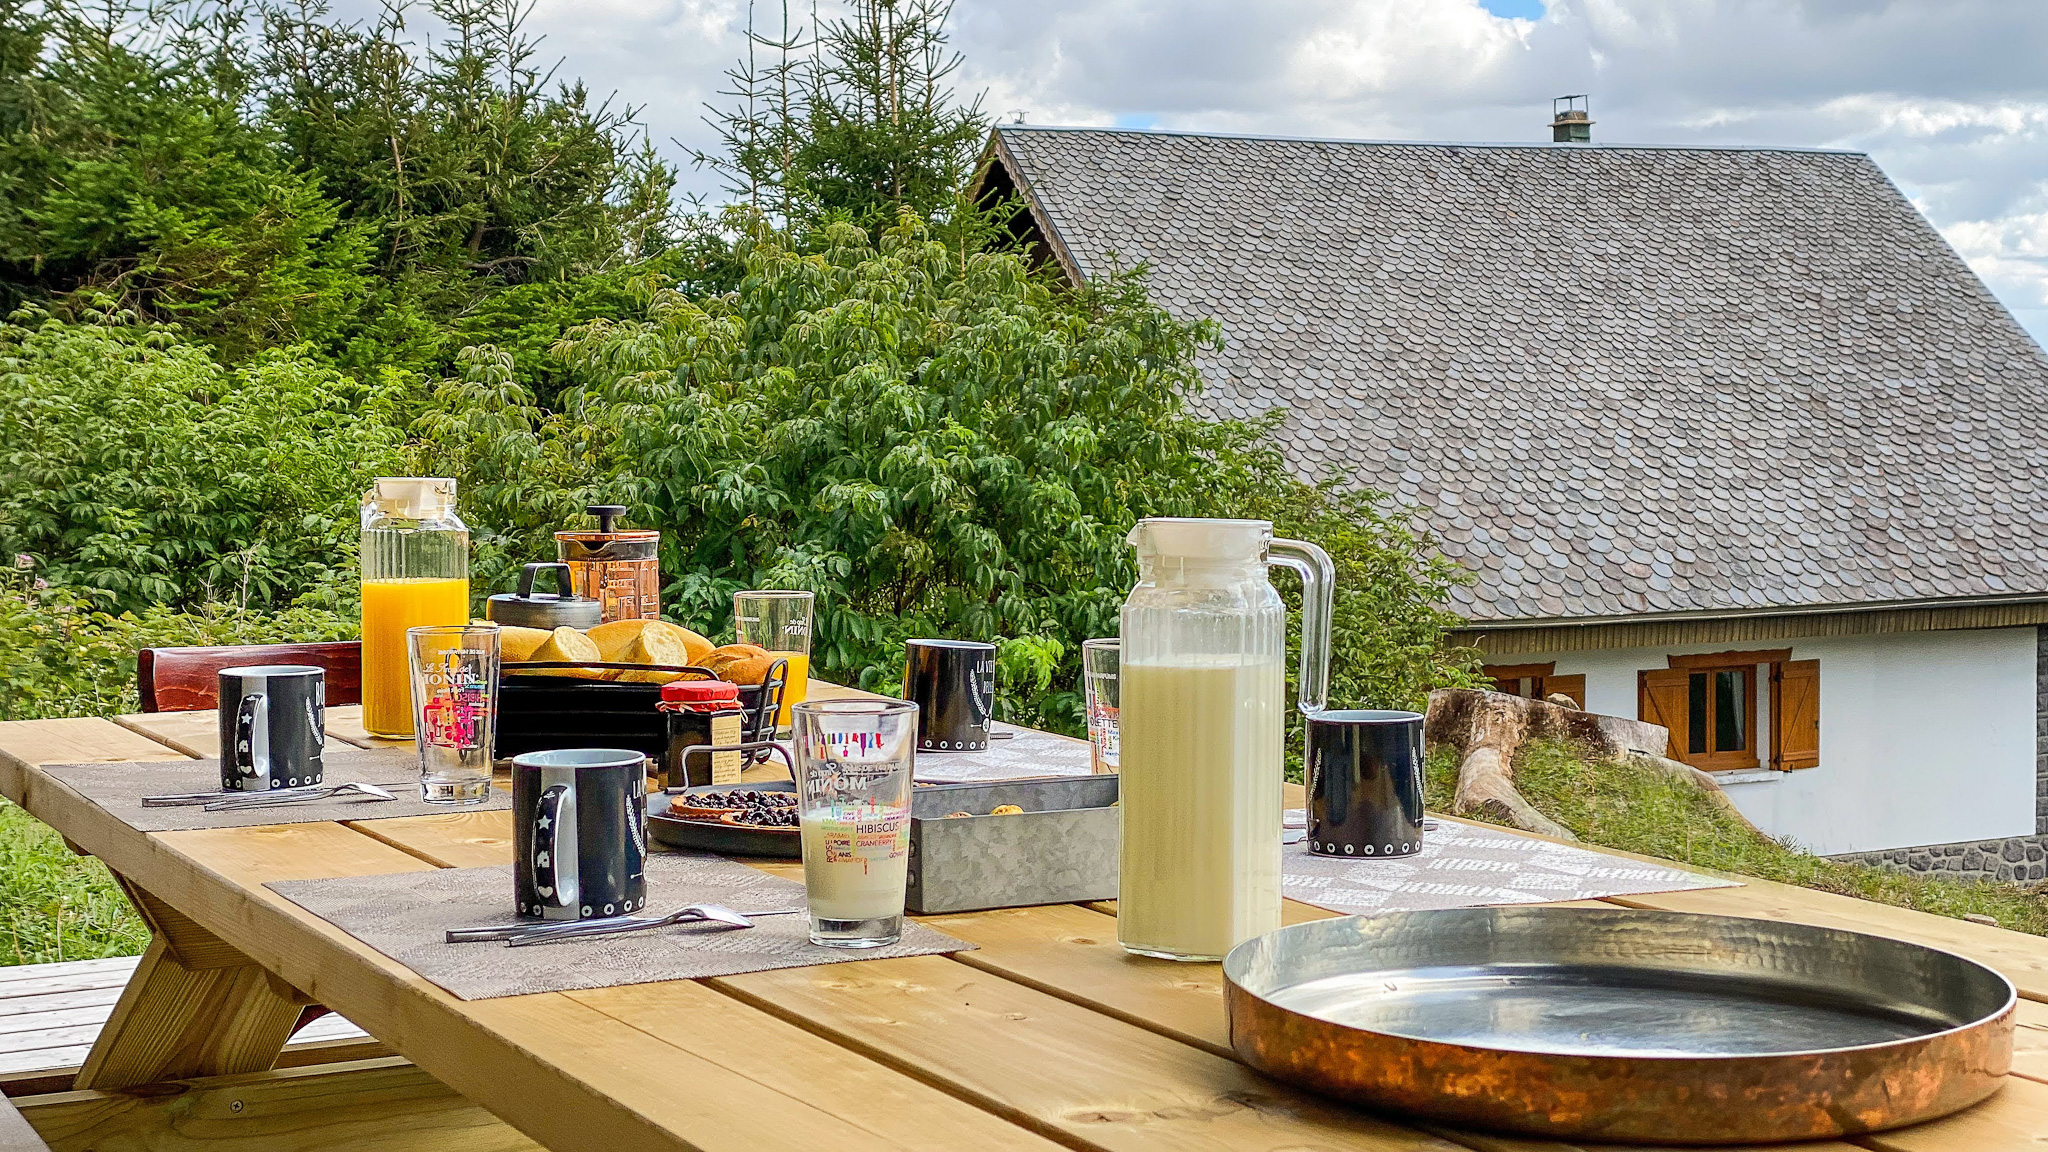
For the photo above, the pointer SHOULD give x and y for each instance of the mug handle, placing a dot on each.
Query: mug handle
(555, 882)
(243, 754)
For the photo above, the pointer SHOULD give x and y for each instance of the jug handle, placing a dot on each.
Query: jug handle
(1318, 581)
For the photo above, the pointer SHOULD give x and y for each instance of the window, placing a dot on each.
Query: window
(1709, 703)
(1535, 681)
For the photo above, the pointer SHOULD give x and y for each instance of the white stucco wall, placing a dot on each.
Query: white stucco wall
(1925, 737)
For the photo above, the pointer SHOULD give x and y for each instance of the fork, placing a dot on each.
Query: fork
(274, 798)
(490, 932)
(715, 913)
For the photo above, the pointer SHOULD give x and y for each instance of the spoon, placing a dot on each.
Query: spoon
(716, 913)
(274, 798)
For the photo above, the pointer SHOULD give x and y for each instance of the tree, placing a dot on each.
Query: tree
(935, 445)
(129, 178)
(864, 129)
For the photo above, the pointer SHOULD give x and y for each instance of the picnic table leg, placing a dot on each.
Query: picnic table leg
(195, 1007)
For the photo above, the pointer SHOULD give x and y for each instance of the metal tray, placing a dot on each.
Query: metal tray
(1618, 1024)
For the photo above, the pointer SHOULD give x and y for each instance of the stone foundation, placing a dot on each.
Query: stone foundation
(2021, 859)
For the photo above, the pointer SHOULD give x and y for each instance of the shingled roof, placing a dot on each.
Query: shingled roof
(1625, 382)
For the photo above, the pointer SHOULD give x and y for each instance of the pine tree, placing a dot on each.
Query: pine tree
(885, 133)
(863, 129)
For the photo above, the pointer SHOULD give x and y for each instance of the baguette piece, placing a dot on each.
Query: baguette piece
(568, 644)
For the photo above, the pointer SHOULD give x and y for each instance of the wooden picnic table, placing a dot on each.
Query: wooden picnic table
(1046, 1037)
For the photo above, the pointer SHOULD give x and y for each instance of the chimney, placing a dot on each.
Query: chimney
(1571, 120)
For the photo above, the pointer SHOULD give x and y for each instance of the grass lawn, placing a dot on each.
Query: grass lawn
(57, 905)
(1637, 812)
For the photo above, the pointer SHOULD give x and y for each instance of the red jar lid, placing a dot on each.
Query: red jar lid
(700, 692)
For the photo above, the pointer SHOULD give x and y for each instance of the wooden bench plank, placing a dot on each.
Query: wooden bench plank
(66, 975)
(17, 1012)
(387, 1104)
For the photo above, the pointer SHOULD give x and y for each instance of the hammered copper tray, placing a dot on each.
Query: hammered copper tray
(1621, 1025)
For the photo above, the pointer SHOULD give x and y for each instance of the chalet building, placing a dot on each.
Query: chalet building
(1730, 438)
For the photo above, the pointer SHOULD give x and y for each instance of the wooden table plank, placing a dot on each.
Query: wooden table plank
(903, 1111)
(80, 740)
(2021, 957)
(193, 733)
(2016, 1117)
(2030, 1041)
(982, 1028)
(474, 840)
(345, 723)
(565, 1073)
(1078, 1076)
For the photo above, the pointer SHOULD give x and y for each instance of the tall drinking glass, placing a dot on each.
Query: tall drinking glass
(779, 621)
(853, 765)
(455, 705)
(1099, 660)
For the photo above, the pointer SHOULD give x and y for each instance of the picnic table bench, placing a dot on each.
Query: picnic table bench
(1046, 1037)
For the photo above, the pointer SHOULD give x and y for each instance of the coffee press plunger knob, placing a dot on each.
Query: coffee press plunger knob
(606, 514)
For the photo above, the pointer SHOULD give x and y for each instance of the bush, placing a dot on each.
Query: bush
(936, 444)
(134, 466)
(60, 657)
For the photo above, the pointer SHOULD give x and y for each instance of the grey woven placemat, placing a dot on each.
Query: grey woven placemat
(120, 787)
(405, 915)
(1467, 866)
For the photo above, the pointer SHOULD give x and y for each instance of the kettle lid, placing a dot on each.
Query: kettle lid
(529, 609)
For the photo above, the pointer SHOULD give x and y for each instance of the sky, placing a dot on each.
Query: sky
(1950, 97)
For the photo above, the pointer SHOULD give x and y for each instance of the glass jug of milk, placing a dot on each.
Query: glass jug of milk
(1202, 729)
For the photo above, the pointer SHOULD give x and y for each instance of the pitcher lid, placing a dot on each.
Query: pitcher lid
(1197, 539)
(413, 497)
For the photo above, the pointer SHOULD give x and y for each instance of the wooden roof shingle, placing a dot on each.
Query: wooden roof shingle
(1623, 381)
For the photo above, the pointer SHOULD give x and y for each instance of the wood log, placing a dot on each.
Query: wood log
(1486, 729)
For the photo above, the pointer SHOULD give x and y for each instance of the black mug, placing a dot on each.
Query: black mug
(953, 684)
(273, 719)
(1364, 783)
(579, 833)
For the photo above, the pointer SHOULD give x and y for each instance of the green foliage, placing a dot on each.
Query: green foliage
(464, 166)
(268, 177)
(55, 905)
(863, 130)
(884, 135)
(935, 446)
(135, 466)
(132, 178)
(1619, 807)
(59, 656)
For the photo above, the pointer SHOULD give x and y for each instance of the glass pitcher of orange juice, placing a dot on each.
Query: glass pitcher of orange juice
(415, 572)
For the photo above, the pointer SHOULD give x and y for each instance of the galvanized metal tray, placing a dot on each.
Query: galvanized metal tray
(1621, 1025)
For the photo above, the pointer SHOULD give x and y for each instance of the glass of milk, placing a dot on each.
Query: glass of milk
(853, 766)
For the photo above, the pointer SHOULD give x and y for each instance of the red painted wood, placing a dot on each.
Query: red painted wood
(183, 679)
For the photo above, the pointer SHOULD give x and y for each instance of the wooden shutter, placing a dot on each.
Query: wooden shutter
(1795, 715)
(1572, 686)
(1661, 700)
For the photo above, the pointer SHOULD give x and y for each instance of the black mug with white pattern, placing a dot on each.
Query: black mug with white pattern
(1364, 783)
(579, 833)
(953, 684)
(273, 718)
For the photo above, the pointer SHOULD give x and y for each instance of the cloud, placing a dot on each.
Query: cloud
(1947, 95)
